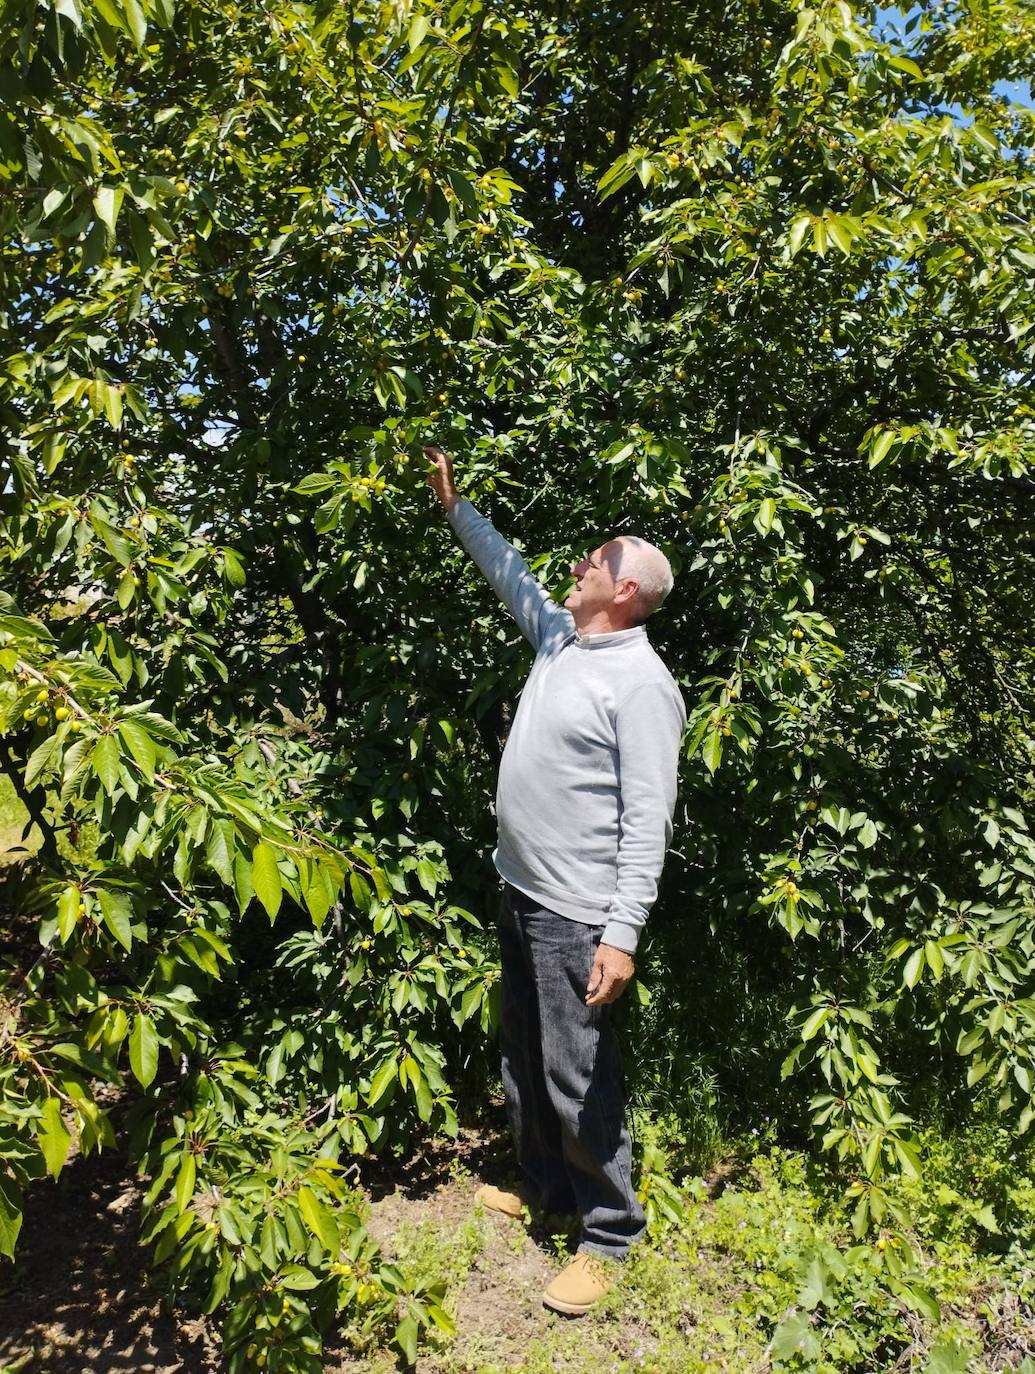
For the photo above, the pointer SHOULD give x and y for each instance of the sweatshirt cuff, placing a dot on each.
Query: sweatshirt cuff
(621, 935)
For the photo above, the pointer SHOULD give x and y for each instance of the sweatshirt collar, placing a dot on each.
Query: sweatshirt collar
(615, 639)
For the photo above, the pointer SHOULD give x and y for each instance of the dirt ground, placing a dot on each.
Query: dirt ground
(79, 1301)
(498, 1308)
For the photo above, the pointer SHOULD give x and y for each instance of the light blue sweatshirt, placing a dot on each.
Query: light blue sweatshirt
(587, 782)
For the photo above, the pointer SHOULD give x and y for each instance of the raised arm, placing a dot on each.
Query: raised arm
(537, 615)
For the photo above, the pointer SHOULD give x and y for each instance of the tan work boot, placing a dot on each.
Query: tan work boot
(499, 1200)
(579, 1285)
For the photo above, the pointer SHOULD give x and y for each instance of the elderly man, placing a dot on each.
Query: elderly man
(584, 803)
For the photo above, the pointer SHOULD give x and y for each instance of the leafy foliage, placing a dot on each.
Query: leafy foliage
(753, 281)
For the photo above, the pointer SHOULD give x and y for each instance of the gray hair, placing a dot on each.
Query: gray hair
(648, 567)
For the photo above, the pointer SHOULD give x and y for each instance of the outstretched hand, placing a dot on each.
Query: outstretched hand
(440, 475)
(611, 974)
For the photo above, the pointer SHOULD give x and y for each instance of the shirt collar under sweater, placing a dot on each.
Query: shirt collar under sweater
(613, 639)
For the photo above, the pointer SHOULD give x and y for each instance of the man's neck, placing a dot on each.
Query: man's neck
(601, 624)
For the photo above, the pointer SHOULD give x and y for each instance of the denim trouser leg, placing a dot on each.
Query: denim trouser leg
(562, 1076)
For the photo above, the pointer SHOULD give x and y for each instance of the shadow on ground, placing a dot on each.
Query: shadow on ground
(482, 1153)
(78, 1301)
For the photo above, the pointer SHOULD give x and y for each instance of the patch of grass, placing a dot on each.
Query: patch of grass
(768, 1277)
(426, 1250)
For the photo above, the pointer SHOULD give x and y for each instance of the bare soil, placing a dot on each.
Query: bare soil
(498, 1309)
(80, 1301)
(78, 1298)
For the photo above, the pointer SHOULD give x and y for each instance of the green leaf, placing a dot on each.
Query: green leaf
(10, 1215)
(269, 1244)
(233, 569)
(266, 877)
(913, 969)
(297, 1279)
(968, 1040)
(141, 746)
(386, 1075)
(318, 889)
(53, 1137)
(143, 1049)
(922, 1300)
(882, 446)
(867, 835)
(126, 590)
(68, 912)
(796, 233)
(406, 1339)
(116, 544)
(422, 1095)
(984, 136)
(118, 916)
(106, 203)
(40, 760)
(185, 1180)
(794, 1339)
(328, 515)
(841, 233)
(815, 1023)
(908, 1157)
(360, 889)
(220, 848)
(244, 888)
(986, 1218)
(507, 78)
(427, 876)
(275, 1063)
(765, 516)
(712, 750)
(135, 22)
(445, 1322)
(105, 761)
(315, 482)
(320, 1220)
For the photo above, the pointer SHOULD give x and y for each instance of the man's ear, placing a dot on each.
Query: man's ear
(627, 590)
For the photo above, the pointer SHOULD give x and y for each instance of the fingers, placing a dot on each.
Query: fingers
(605, 985)
(609, 990)
(596, 976)
(439, 474)
(611, 973)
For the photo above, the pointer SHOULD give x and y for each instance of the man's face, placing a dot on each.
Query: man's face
(594, 588)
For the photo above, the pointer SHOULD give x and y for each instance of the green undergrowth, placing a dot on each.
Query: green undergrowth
(442, 1254)
(768, 1275)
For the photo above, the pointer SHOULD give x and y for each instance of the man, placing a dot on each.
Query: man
(586, 789)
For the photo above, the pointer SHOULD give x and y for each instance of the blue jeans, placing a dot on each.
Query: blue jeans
(562, 1076)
